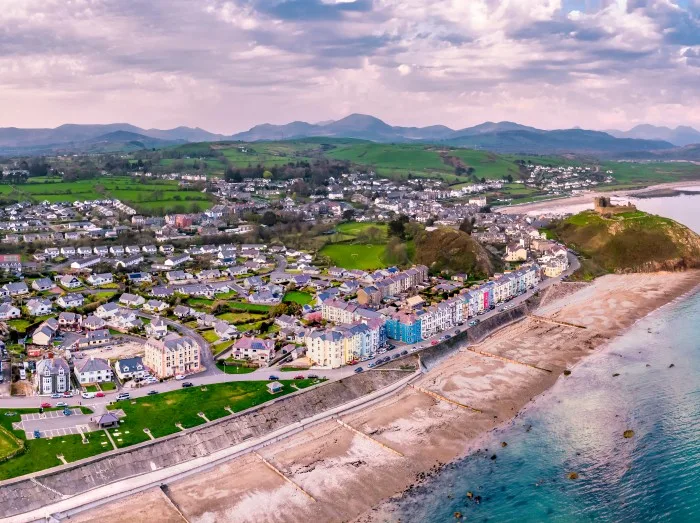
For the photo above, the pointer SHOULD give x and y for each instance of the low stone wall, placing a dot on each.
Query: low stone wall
(23, 495)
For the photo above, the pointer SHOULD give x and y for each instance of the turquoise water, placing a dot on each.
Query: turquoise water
(578, 426)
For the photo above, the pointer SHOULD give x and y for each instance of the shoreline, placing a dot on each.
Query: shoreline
(329, 461)
(554, 203)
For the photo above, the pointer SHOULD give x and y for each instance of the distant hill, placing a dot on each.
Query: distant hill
(446, 249)
(507, 137)
(630, 242)
(680, 136)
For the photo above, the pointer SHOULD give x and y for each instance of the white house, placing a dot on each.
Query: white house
(8, 311)
(157, 328)
(103, 278)
(130, 368)
(176, 260)
(85, 262)
(68, 301)
(107, 310)
(93, 370)
(131, 300)
(155, 306)
(68, 281)
(39, 307)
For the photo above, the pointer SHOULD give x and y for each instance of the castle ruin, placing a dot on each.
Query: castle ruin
(603, 206)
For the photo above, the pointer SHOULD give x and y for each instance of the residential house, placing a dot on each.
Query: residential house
(39, 307)
(69, 301)
(85, 263)
(44, 333)
(93, 323)
(155, 306)
(256, 350)
(131, 261)
(92, 370)
(68, 281)
(139, 277)
(177, 259)
(131, 300)
(9, 311)
(225, 331)
(16, 288)
(95, 338)
(42, 284)
(182, 312)
(52, 376)
(107, 310)
(70, 321)
(103, 278)
(128, 368)
(157, 328)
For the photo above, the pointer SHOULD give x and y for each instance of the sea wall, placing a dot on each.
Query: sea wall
(432, 356)
(24, 495)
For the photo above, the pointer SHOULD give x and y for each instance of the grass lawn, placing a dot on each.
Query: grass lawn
(242, 306)
(91, 388)
(41, 453)
(221, 347)
(302, 298)
(293, 369)
(161, 412)
(108, 385)
(355, 256)
(200, 302)
(8, 443)
(355, 228)
(210, 336)
(106, 295)
(19, 324)
(233, 317)
(232, 368)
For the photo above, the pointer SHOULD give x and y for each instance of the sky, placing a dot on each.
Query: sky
(226, 65)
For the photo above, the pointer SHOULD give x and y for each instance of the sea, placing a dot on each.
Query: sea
(565, 458)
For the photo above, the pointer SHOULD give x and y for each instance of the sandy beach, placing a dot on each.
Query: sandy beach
(335, 474)
(560, 203)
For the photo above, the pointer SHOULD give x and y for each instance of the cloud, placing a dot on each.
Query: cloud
(229, 64)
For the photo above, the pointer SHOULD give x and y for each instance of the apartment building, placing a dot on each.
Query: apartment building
(172, 356)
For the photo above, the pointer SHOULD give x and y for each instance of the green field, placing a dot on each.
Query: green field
(159, 196)
(486, 164)
(41, 453)
(268, 153)
(356, 228)
(302, 298)
(355, 256)
(161, 413)
(644, 173)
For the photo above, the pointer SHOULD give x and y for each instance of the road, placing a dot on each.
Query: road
(214, 375)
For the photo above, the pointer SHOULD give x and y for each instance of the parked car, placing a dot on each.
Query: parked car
(404, 353)
(179, 377)
(396, 356)
(313, 376)
(299, 377)
(358, 370)
(61, 404)
(153, 392)
(123, 396)
(57, 395)
(99, 394)
(272, 377)
(67, 395)
(46, 405)
(434, 342)
(371, 365)
(37, 434)
(88, 395)
(186, 384)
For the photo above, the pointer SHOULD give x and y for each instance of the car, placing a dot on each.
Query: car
(447, 336)
(99, 394)
(180, 377)
(186, 384)
(153, 392)
(88, 395)
(396, 356)
(123, 396)
(272, 377)
(434, 342)
(67, 395)
(61, 404)
(404, 353)
(371, 365)
(57, 395)
(46, 405)
(457, 331)
(313, 376)
(299, 377)
(37, 434)
(358, 370)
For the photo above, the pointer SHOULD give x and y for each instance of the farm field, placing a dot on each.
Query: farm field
(641, 173)
(267, 153)
(355, 255)
(153, 196)
(486, 164)
(161, 412)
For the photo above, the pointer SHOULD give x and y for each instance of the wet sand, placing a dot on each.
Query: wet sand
(339, 475)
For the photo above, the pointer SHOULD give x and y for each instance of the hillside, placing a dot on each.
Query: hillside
(630, 242)
(451, 250)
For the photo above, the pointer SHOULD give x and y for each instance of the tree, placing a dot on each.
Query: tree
(269, 218)
(348, 214)
(267, 175)
(397, 227)
(396, 252)
(467, 225)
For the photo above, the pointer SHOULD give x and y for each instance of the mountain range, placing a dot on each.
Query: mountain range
(497, 136)
(680, 136)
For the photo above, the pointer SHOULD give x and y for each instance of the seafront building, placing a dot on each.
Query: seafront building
(173, 355)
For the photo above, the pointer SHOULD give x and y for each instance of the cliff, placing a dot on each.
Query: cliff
(630, 242)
